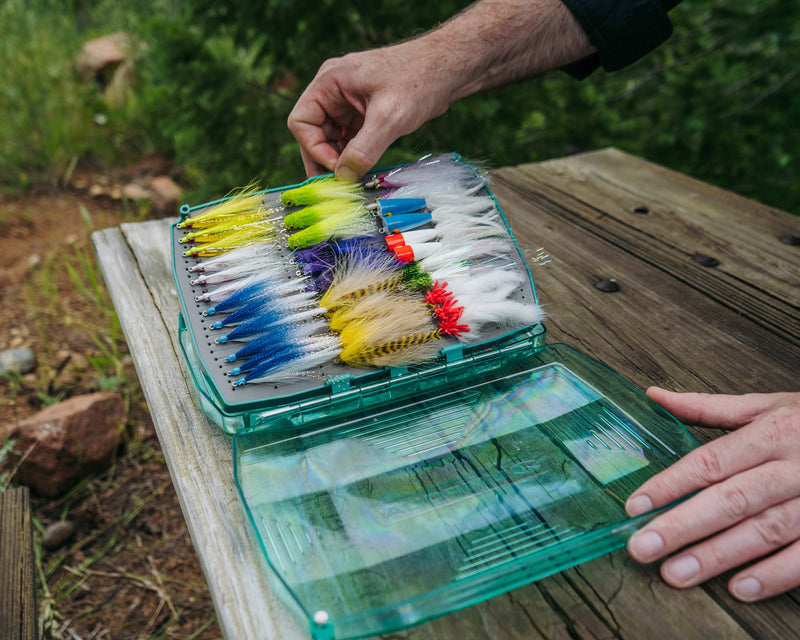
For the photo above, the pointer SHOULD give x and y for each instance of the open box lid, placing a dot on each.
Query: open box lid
(406, 508)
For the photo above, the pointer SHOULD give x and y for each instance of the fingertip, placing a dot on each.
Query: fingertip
(366, 147)
(682, 571)
(645, 546)
(353, 162)
(657, 392)
(321, 161)
(746, 589)
(313, 168)
(347, 173)
(637, 505)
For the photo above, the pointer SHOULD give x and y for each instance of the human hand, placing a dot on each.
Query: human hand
(357, 105)
(748, 502)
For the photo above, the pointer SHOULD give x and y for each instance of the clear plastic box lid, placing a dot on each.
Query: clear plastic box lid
(506, 470)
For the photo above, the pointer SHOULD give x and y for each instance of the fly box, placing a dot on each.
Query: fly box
(405, 444)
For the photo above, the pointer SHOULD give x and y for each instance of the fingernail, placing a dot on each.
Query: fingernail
(646, 546)
(683, 570)
(346, 173)
(639, 505)
(746, 589)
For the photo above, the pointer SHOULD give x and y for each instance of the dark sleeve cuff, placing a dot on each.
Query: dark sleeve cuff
(623, 31)
(583, 68)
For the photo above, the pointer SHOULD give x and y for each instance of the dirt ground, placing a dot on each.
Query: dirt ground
(129, 570)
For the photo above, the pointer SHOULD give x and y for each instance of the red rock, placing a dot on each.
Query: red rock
(68, 441)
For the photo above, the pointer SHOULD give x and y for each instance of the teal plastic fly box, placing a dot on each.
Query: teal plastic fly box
(405, 444)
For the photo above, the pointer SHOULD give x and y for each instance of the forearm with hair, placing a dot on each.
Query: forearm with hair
(494, 42)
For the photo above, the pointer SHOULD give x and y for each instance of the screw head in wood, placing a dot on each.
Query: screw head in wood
(607, 285)
(704, 260)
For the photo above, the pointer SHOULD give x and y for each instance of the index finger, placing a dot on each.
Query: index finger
(312, 167)
(712, 410)
(310, 129)
(700, 468)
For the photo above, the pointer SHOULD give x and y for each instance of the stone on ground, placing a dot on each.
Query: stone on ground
(20, 360)
(68, 441)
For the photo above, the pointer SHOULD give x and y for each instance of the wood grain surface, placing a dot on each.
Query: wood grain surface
(606, 215)
(18, 615)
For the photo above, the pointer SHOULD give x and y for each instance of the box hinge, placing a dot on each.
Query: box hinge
(339, 384)
(453, 352)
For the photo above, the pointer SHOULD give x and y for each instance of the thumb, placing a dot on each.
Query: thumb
(364, 150)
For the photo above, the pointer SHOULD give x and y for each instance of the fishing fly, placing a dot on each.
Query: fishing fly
(381, 273)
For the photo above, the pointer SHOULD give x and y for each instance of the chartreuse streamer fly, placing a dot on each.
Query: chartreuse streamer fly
(242, 201)
(321, 189)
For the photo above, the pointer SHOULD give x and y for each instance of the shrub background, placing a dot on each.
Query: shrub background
(218, 79)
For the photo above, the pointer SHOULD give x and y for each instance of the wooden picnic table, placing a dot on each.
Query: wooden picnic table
(708, 299)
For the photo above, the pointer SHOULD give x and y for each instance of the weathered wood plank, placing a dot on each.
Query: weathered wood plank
(199, 456)
(656, 329)
(18, 615)
(691, 215)
(775, 618)
(757, 276)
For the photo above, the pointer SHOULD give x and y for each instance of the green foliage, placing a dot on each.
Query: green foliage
(219, 78)
(51, 116)
(714, 102)
(226, 77)
(7, 455)
(111, 365)
(46, 113)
